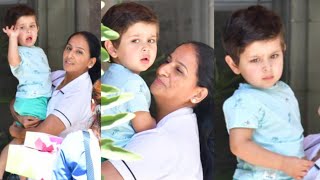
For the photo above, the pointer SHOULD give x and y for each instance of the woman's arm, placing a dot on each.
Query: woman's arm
(51, 125)
(109, 172)
(243, 147)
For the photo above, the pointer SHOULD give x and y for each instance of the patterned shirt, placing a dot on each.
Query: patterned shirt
(274, 116)
(129, 82)
(33, 73)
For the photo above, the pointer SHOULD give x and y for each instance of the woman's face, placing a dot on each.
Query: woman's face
(76, 55)
(176, 80)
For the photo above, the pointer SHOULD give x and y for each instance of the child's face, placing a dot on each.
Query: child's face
(138, 47)
(261, 63)
(28, 30)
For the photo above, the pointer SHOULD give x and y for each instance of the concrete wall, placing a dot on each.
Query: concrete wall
(304, 60)
(313, 66)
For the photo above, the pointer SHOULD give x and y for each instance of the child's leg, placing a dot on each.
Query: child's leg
(4, 155)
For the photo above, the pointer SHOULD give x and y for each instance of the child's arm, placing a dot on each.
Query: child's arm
(13, 54)
(143, 121)
(243, 147)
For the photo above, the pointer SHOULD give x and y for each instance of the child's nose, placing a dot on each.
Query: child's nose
(145, 47)
(267, 66)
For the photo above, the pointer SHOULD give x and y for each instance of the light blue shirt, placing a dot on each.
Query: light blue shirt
(274, 115)
(71, 160)
(33, 73)
(127, 81)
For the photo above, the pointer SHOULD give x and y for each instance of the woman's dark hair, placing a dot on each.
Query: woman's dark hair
(204, 110)
(94, 48)
(245, 26)
(14, 13)
(121, 16)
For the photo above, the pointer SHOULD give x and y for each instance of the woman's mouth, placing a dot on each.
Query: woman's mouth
(158, 81)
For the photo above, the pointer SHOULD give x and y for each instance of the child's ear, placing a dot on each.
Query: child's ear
(232, 65)
(111, 49)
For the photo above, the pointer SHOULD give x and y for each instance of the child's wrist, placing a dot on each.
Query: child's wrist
(282, 163)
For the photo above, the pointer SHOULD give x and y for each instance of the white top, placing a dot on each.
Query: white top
(170, 151)
(311, 146)
(72, 103)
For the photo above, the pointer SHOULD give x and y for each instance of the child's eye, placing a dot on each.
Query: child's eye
(274, 56)
(135, 41)
(152, 41)
(21, 27)
(32, 26)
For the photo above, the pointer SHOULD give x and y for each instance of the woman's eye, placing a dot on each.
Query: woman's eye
(179, 70)
(254, 60)
(68, 48)
(79, 52)
(168, 60)
(32, 26)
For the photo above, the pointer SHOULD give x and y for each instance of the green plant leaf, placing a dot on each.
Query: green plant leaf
(110, 121)
(108, 34)
(109, 89)
(104, 55)
(107, 102)
(116, 153)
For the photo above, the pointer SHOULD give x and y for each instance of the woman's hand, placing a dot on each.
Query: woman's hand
(28, 121)
(17, 131)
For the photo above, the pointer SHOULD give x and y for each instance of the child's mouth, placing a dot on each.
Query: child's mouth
(145, 60)
(29, 39)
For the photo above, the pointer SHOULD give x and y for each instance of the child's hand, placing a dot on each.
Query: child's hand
(11, 32)
(296, 167)
(29, 121)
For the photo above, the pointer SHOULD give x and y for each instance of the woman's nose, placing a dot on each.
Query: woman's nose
(70, 54)
(163, 70)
